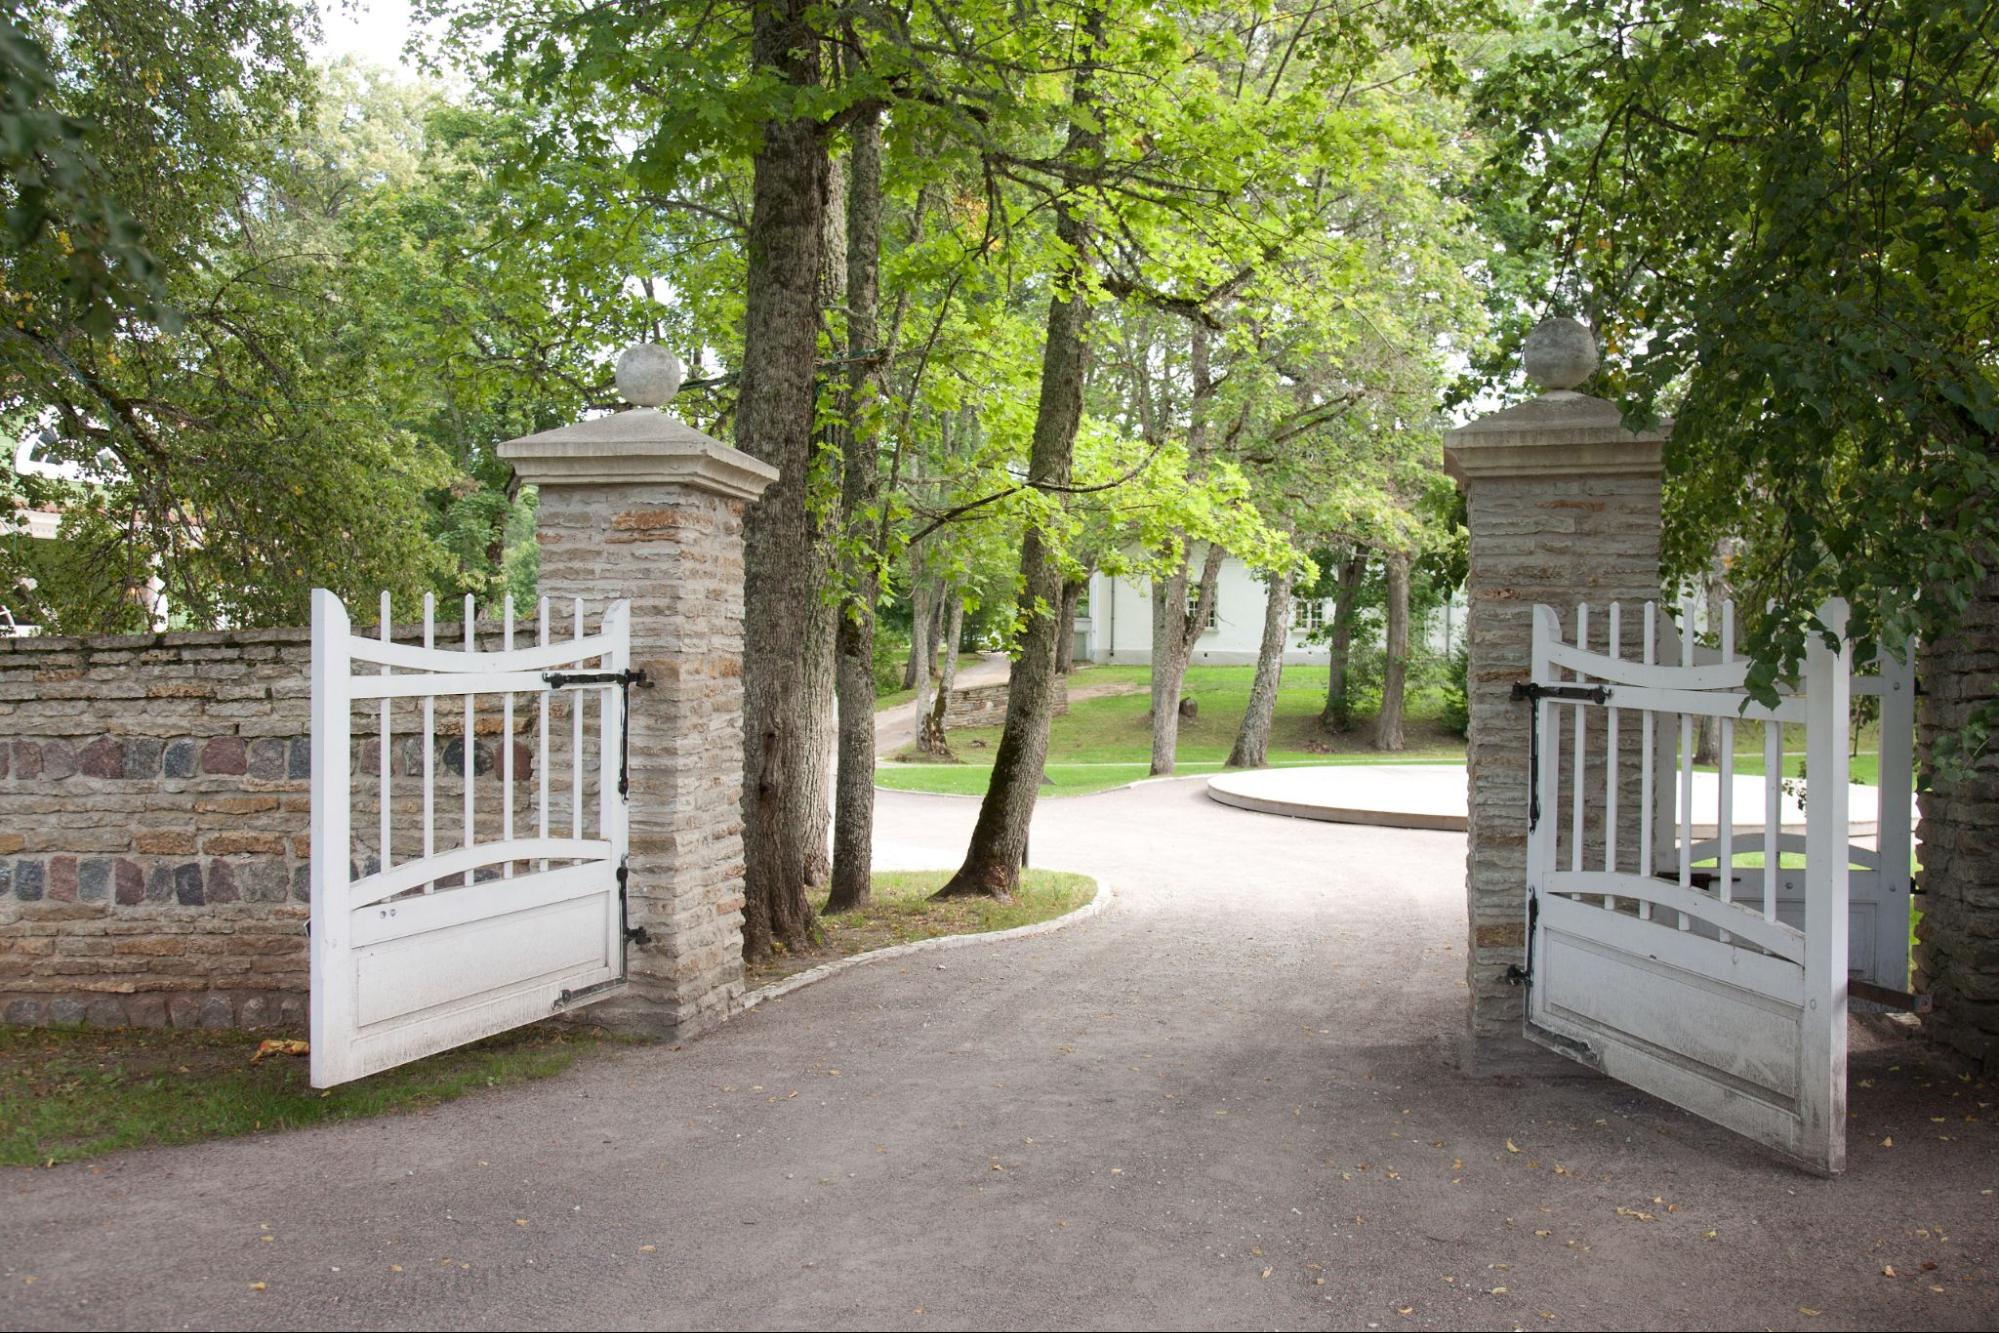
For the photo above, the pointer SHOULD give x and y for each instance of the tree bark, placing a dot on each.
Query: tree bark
(1175, 631)
(1714, 591)
(1065, 644)
(954, 633)
(860, 484)
(1395, 670)
(1252, 742)
(822, 623)
(1338, 713)
(930, 739)
(774, 415)
(999, 840)
(919, 621)
(940, 614)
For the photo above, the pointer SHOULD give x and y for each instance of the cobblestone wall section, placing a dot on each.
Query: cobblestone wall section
(154, 803)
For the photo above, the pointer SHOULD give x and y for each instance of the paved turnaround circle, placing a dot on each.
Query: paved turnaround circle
(1221, 1103)
(1433, 796)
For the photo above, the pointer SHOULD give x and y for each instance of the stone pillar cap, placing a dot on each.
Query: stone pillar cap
(637, 446)
(1558, 434)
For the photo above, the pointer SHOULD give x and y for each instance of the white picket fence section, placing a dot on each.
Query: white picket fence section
(454, 942)
(1723, 990)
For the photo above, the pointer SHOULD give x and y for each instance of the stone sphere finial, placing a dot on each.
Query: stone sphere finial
(1560, 353)
(648, 375)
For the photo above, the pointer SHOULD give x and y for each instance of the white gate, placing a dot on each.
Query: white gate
(1654, 953)
(418, 945)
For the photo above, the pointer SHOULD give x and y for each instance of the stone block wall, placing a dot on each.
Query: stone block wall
(1533, 539)
(985, 705)
(676, 552)
(1957, 958)
(154, 810)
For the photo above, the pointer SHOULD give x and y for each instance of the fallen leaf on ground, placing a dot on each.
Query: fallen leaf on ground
(281, 1046)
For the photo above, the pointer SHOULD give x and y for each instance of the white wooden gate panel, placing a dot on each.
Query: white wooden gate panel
(445, 946)
(1723, 991)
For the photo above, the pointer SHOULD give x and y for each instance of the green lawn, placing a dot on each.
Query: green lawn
(67, 1093)
(902, 911)
(1106, 741)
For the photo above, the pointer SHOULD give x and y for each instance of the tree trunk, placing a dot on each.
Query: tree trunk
(774, 415)
(1175, 630)
(1173, 640)
(1395, 669)
(919, 621)
(954, 633)
(854, 795)
(1065, 644)
(999, 839)
(1338, 713)
(930, 739)
(940, 608)
(1252, 742)
(1714, 591)
(822, 622)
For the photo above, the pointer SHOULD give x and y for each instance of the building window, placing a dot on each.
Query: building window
(1308, 614)
(1194, 605)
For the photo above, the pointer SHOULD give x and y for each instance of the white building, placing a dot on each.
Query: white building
(1114, 621)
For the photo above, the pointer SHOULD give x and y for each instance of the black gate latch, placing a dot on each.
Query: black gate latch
(1533, 692)
(562, 680)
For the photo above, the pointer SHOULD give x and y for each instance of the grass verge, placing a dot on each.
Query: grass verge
(902, 912)
(70, 1093)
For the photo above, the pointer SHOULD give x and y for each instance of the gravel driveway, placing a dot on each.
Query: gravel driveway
(1220, 1103)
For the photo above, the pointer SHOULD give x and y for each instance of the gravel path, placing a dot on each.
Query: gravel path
(1220, 1103)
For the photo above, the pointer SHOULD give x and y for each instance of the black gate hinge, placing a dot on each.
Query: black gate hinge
(624, 680)
(1516, 975)
(1533, 692)
(633, 934)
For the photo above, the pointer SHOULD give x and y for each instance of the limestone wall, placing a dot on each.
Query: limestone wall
(1533, 539)
(1958, 954)
(985, 705)
(676, 553)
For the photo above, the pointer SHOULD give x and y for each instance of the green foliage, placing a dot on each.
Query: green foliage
(56, 195)
(1456, 691)
(1781, 218)
(891, 654)
(362, 311)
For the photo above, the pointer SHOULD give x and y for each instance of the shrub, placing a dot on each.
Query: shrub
(891, 655)
(1456, 690)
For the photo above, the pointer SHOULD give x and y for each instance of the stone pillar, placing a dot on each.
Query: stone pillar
(641, 506)
(1563, 505)
(1958, 957)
